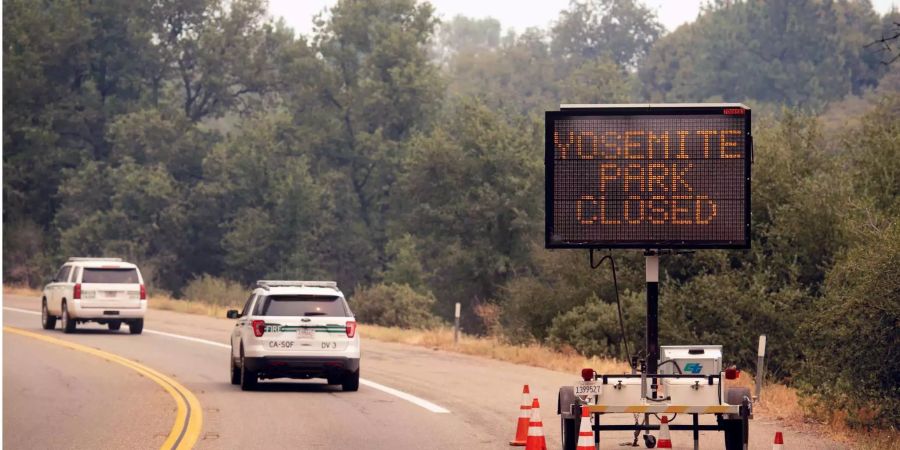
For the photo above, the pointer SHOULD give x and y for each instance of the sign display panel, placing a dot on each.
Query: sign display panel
(648, 176)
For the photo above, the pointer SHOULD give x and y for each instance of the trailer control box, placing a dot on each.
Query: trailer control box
(691, 359)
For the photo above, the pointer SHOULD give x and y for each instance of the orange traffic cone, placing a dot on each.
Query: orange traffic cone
(536, 439)
(524, 415)
(779, 441)
(664, 441)
(585, 436)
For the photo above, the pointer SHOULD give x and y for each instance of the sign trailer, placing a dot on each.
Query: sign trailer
(657, 177)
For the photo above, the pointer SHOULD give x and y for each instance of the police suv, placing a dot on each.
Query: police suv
(295, 329)
(105, 290)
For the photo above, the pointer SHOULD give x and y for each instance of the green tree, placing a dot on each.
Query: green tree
(153, 136)
(394, 305)
(215, 56)
(620, 30)
(520, 77)
(258, 205)
(853, 350)
(470, 193)
(377, 87)
(404, 264)
(875, 159)
(128, 211)
(798, 53)
(68, 67)
(466, 35)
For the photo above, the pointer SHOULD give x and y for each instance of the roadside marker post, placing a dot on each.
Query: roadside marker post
(456, 324)
(760, 365)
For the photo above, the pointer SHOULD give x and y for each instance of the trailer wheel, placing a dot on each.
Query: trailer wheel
(734, 428)
(569, 434)
(735, 395)
(569, 423)
(734, 434)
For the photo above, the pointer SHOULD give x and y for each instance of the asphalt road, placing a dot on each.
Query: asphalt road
(90, 403)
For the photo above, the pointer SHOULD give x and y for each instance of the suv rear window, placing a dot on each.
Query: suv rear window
(114, 276)
(301, 305)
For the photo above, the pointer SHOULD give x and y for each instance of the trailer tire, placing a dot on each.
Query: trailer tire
(735, 395)
(734, 428)
(569, 434)
(734, 434)
(566, 398)
(569, 423)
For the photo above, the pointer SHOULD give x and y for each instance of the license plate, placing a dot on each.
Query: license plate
(281, 344)
(306, 333)
(588, 388)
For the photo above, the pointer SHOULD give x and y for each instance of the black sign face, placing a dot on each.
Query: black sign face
(648, 177)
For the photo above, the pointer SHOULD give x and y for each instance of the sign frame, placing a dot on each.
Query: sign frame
(645, 109)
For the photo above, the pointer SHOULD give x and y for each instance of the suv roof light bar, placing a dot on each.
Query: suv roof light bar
(74, 259)
(266, 284)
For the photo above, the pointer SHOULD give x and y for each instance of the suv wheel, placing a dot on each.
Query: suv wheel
(351, 381)
(48, 322)
(68, 324)
(135, 326)
(249, 378)
(235, 371)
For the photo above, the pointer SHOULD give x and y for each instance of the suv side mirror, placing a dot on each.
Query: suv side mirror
(233, 314)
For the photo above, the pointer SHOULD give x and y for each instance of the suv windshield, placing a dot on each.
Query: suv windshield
(115, 276)
(301, 305)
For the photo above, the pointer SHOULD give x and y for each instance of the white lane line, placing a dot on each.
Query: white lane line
(408, 397)
(421, 402)
(26, 311)
(188, 338)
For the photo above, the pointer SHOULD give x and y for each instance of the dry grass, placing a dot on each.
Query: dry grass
(156, 302)
(531, 355)
(777, 401)
(21, 290)
(784, 404)
(190, 307)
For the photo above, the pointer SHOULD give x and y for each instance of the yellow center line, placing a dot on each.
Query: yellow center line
(189, 416)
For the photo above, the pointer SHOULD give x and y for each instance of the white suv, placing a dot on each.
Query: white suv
(105, 290)
(295, 329)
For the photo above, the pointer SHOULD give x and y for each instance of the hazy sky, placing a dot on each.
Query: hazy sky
(517, 14)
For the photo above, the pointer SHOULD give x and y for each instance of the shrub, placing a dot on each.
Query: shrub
(216, 291)
(25, 261)
(394, 305)
(853, 356)
(593, 329)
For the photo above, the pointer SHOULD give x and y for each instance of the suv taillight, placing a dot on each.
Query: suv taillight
(351, 329)
(259, 327)
(143, 292)
(76, 293)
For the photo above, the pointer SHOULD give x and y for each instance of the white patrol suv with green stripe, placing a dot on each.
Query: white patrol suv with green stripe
(295, 329)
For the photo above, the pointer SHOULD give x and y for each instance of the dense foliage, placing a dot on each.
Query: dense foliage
(403, 158)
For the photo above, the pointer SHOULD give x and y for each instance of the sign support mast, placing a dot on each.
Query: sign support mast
(651, 260)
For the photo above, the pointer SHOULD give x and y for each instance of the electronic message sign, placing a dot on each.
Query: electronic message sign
(648, 176)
